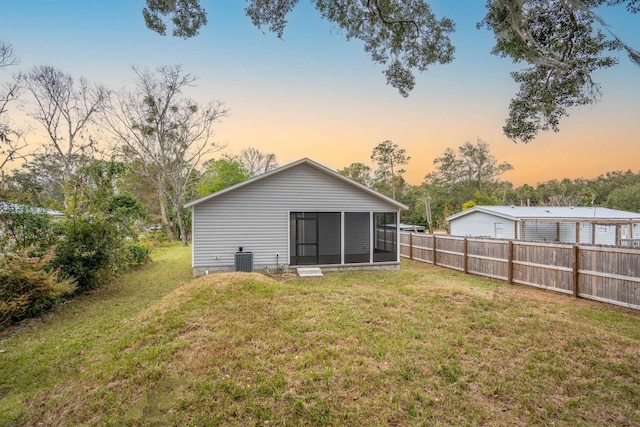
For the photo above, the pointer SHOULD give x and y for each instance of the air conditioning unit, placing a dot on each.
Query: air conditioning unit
(243, 261)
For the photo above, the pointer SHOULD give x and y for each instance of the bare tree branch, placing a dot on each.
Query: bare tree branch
(164, 132)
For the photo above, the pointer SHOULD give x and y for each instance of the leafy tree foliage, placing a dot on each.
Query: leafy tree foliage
(42, 179)
(100, 221)
(558, 40)
(401, 35)
(480, 199)
(220, 174)
(358, 172)
(562, 43)
(25, 228)
(464, 178)
(625, 198)
(472, 169)
(389, 157)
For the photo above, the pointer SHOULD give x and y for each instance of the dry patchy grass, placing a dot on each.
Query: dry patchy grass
(423, 346)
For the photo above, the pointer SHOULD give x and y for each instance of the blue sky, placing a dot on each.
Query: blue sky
(313, 94)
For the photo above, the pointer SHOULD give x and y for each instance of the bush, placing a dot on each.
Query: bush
(128, 256)
(139, 254)
(25, 228)
(28, 287)
(85, 253)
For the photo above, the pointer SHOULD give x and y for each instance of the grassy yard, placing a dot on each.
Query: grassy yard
(423, 346)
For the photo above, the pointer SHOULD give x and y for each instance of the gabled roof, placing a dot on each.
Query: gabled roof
(304, 161)
(546, 213)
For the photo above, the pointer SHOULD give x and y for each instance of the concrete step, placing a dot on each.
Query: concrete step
(310, 272)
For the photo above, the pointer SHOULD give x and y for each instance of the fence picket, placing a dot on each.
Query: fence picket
(595, 272)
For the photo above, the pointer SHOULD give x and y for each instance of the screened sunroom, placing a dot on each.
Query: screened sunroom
(325, 238)
(300, 215)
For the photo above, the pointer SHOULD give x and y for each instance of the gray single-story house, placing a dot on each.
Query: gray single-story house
(301, 214)
(590, 225)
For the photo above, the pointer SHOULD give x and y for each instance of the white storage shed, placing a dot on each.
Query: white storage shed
(590, 225)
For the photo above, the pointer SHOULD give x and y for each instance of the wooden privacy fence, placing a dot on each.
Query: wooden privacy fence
(595, 272)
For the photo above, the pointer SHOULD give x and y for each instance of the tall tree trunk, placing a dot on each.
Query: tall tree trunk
(164, 217)
(181, 225)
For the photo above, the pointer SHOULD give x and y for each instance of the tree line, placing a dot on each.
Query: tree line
(470, 175)
(107, 164)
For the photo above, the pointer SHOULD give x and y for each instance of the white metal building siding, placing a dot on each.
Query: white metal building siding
(256, 216)
(478, 224)
(568, 233)
(543, 231)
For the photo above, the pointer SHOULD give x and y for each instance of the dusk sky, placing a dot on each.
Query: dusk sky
(314, 94)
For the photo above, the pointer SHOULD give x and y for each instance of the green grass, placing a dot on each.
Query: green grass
(423, 346)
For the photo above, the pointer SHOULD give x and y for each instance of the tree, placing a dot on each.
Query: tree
(401, 35)
(625, 198)
(474, 166)
(41, 180)
(563, 49)
(12, 140)
(99, 226)
(257, 162)
(7, 55)
(220, 174)
(65, 108)
(564, 42)
(358, 172)
(165, 133)
(389, 156)
(469, 175)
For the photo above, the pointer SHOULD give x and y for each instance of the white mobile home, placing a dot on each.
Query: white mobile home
(591, 225)
(301, 214)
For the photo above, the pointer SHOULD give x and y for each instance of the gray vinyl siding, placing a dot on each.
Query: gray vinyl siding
(480, 224)
(256, 216)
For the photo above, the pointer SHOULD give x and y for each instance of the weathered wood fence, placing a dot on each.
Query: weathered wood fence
(595, 272)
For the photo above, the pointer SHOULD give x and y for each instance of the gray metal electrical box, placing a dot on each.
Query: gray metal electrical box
(243, 261)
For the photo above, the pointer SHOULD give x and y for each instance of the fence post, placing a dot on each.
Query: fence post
(466, 257)
(510, 264)
(576, 258)
(434, 250)
(410, 245)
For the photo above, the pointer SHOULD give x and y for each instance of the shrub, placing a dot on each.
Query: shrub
(23, 227)
(139, 254)
(28, 287)
(128, 256)
(85, 250)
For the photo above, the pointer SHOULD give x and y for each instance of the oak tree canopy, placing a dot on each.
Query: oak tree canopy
(558, 44)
